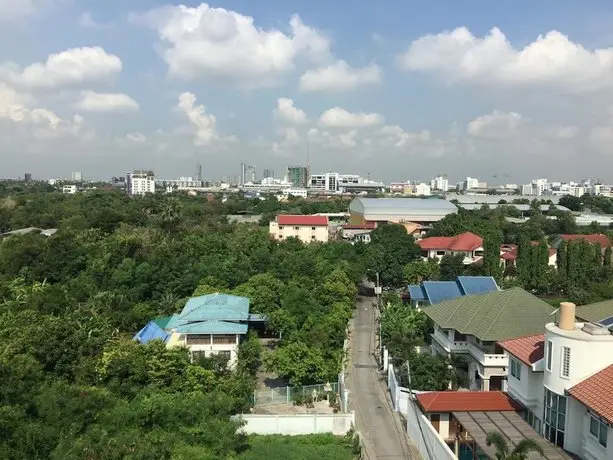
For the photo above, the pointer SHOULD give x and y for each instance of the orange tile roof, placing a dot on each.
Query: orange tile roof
(528, 349)
(467, 401)
(602, 240)
(466, 241)
(596, 393)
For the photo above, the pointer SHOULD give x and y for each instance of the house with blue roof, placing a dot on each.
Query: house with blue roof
(431, 292)
(207, 325)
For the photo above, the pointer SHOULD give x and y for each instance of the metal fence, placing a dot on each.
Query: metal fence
(287, 395)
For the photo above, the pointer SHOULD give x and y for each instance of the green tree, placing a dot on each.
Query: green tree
(428, 372)
(250, 354)
(491, 256)
(418, 271)
(521, 451)
(452, 266)
(299, 363)
(402, 328)
(390, 249)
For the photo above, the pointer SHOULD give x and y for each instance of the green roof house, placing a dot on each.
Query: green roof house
(471, 325)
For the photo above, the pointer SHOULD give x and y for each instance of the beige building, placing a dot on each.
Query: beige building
(307, 229)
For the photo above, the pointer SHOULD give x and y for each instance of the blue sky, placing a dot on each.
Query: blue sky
(397, 89)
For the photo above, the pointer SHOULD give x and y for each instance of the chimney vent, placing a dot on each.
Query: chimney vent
(566, 316)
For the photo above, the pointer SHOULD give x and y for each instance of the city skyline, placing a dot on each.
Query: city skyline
(408, 91)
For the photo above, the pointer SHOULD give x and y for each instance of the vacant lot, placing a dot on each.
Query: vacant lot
(312, 447)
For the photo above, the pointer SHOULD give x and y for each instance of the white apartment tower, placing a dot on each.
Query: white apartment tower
(140, 182)
(439, 183)
(471, 183)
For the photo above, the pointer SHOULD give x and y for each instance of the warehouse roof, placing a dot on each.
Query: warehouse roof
(497, 315)
(432, 209)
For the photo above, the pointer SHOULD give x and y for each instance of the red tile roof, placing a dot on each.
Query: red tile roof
(510, 251)
(313, 221)
(596, 393)
(467, 401)
(463, 242)
(602, 240)
(528, 349)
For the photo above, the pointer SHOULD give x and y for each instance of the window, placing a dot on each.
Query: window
(296, 228)
(565, 365)
(313, 228)
(532, 420)
(312, 237)
(599, 429)
(549, 352)
(224, 339)
(280, 227)
(554, 420)
(515, 369)
(198, 339)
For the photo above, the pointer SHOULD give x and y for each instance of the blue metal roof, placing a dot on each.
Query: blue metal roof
(437, 291)
(216, 306)
(477, 284)
(212, 327)
(150, 332)
(416, 292)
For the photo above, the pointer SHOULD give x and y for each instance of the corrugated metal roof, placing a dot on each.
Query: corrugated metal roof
(150, 332)
(451, 401)
(162, 321)
(216, 307)
(212, 327)
(438, 291)
(494, 316)
(477, 284)
(405, 206)
(416, 292)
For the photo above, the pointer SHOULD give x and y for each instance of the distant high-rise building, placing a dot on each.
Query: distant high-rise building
(439, 183)
(27, 177)
(470, 183)
(268, 173)
(247, 174)
(77, 177)
(298, 176)
(140, 182)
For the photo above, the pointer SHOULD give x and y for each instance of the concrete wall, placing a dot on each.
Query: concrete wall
(428, 441)
(297, 424)
(399, 395)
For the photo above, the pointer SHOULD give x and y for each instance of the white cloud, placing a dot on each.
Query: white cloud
(562, 132)
(90, 101)
(337, 117)
(206, 42)
(551, 59)
(136, 137)
(290, 141)
(340, 76)
(496, 125)
(288, 112)
(11, 10)
(203, 124)
(39, 122)
(395, 136)
(87, 21)
(74, 66)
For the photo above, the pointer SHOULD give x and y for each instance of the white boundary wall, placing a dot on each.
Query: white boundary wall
(429, 443)
(297, 424)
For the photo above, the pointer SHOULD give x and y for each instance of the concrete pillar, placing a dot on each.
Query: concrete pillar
(486, 385)
(385, 359)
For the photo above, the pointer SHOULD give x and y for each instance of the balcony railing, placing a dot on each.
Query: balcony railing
(486, 359)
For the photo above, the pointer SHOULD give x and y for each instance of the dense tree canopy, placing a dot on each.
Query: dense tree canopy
(73, 383)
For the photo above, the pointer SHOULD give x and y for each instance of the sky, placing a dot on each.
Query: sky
(505, 91)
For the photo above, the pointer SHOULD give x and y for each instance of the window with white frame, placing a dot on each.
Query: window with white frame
(515, 368)
(565, 362)
(549, 354)
(599, 429)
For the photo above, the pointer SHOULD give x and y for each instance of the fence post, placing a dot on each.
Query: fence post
(287, 394)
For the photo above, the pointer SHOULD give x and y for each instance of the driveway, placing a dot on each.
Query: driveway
(383, 434)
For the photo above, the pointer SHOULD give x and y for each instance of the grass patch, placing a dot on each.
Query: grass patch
(311, 447)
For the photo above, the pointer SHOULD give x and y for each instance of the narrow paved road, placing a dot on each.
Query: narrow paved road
(382, 432)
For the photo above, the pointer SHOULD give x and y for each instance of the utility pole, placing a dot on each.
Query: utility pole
(378, 294)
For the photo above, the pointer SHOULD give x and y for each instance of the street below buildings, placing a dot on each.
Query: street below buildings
(383, 433)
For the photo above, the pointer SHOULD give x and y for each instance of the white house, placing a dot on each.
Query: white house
(307, 229)
(472, 325)
(208, 325)
(71, 189)
(468, 244)
(565, 378)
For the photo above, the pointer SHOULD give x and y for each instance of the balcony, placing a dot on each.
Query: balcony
(485, 359)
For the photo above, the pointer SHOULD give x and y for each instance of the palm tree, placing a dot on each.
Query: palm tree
(520, 452)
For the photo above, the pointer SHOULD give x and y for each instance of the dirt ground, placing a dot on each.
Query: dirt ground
(321, 407)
